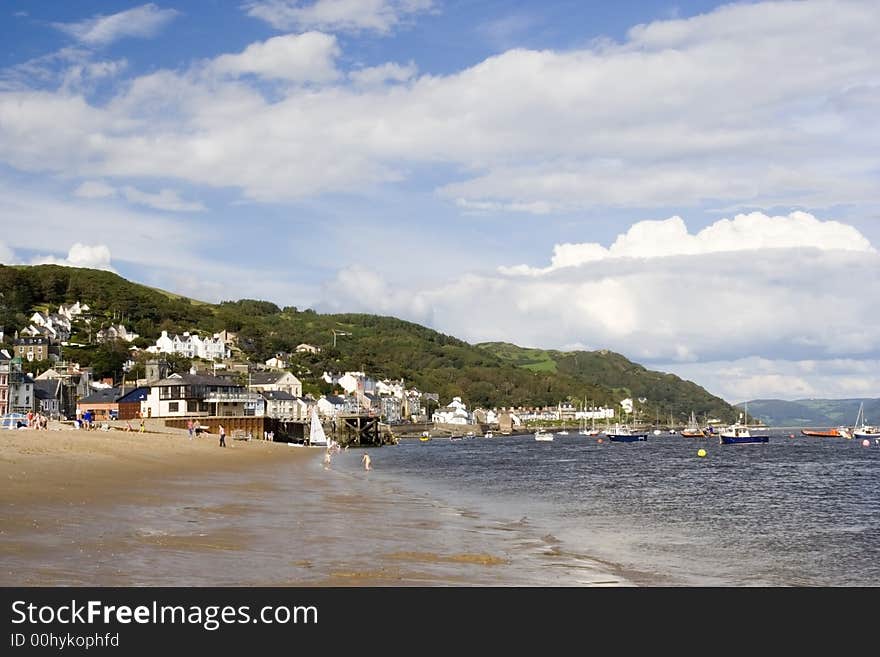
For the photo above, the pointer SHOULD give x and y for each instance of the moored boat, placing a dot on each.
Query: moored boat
(621, 433)
(838, 432)
(543, 436)
(693, 430)
(739, 434)
(862, 430)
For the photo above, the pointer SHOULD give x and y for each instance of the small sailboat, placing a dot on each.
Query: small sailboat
(592, 431)
(563, 431)
(693, 430)
(317, 437)
(862, 429)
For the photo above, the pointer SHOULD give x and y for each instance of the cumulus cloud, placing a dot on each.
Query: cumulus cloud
(745, 232)
(387, 72)
(343, 15)
(80, 255)
(710, 301)
(308, 57)
(635, 124)
(143, 22)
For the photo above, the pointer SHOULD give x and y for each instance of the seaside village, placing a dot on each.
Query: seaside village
(255, 400)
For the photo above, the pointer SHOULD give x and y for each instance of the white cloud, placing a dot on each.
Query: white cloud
(80, 255)
(94, 189)
(387, 72)
(744, 111)
(6, 255)
(754, 377)
(308, 57)
(164, 199)
(785, 294)
(344, 15)
(144, 21)
(745, 232)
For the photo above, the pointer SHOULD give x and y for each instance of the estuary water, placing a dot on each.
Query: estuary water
(504, 511)
(799, 511)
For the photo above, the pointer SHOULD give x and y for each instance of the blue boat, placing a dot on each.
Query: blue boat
(621, 433)
(740, 435)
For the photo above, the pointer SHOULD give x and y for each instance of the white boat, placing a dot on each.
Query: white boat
(317, 437)
(488, 434)
(592, 431)
(543, 436)
(739, 434)
(622, 433)
(862, 429)
(562, 433)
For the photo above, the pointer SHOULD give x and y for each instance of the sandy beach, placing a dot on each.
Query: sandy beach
(114, 508)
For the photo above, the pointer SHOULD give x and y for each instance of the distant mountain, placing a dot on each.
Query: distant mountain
(811, 412)
(492, 374)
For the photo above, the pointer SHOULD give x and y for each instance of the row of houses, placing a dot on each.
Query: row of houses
(456, 413)
(55, 326)
(272, 394)
(192, 345)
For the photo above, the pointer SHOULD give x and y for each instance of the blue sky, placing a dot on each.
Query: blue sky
(692, 184)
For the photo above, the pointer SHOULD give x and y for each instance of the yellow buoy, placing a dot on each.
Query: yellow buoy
(701, 452)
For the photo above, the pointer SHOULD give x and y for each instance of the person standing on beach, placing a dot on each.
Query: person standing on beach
(365, 459)
(189, 426)
(222, 436)
(143, 428)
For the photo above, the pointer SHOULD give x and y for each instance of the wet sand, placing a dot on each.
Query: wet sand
(130, 509)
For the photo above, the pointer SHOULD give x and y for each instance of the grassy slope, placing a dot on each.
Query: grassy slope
(496, 374)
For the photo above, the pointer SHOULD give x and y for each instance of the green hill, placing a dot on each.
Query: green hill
(663, 393)
(494, 374)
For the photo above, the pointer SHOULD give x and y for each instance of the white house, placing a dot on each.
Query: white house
(275, 381)
(455, 413)
(331, 406)
(115, 332)
(71, 310)
(281, 404)
(307, 348)
(191, 346)
(182, 395)
(277, 362)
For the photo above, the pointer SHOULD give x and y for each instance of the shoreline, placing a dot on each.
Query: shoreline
(128, 509)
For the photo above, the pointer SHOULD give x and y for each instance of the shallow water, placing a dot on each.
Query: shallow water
(287, 524)
(506, 511)
(795, 512)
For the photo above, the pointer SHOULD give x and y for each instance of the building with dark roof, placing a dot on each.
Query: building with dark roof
(47, 397)
(281, 381)
(193, 395)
